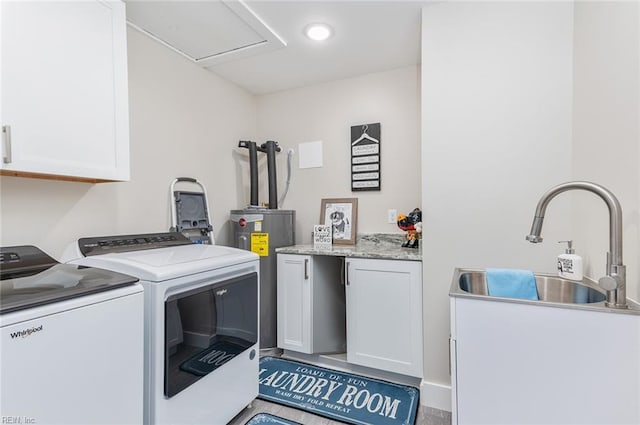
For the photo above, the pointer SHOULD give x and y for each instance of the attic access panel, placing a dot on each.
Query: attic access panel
(206, 32)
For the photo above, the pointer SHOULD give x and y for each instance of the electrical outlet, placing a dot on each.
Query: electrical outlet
(392, 216)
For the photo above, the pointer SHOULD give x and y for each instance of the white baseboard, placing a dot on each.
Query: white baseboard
(436, 396)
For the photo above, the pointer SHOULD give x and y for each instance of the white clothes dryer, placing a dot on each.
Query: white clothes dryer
(201, 322)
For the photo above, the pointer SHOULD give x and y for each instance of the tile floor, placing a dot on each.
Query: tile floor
(426, 415)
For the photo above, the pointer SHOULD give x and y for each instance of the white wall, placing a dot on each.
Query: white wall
(496, 134)
(184, 121)
(326, 112)
(606, 146)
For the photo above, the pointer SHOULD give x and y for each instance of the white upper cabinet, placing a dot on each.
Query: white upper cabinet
(64, 90)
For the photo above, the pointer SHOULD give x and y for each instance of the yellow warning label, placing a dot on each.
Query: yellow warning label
(260, 244)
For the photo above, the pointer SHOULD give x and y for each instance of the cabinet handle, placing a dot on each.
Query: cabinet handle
(346, 273)
(6, 130)
(306, 269)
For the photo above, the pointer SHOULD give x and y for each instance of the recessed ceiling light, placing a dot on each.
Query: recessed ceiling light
(318, 32)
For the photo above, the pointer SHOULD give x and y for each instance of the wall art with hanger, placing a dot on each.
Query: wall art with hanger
(365, 157)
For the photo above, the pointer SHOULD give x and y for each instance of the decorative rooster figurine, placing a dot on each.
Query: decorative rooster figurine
(412, 224)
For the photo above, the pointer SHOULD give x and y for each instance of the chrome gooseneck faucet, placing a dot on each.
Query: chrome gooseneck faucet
(615, 280)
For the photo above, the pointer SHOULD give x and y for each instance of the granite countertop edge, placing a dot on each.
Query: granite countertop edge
(376, 245)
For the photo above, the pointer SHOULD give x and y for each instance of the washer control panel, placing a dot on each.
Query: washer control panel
(124, 243)
(14, 258)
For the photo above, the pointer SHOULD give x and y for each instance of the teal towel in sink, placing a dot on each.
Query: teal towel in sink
(512, 283)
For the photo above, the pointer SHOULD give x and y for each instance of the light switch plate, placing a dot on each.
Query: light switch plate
(392, 216)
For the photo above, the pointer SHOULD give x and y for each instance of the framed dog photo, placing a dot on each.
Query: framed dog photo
(342, 214)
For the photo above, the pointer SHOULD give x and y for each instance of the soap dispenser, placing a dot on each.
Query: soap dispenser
(569, 264)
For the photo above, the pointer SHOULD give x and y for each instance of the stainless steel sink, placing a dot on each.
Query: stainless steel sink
(552, 292)
(550, 288)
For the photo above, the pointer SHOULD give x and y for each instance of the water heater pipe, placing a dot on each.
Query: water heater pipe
(253, 169)
(271, 147)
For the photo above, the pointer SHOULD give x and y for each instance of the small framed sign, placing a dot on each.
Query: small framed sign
(365, 157)
(322, 236)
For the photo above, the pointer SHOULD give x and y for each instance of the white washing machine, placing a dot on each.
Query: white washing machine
(201, 322)
(72, 350)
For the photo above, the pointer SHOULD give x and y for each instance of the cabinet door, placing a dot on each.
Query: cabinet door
(294, 302)
(384, 315)
(64, 89)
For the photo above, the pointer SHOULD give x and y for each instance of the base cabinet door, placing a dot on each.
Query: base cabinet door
(311, 304)
(294, 302)
(384, 314)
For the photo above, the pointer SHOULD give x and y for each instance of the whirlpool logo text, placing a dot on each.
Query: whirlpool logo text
(27, 332)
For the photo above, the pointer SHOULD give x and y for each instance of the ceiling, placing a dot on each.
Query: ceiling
(260, 45)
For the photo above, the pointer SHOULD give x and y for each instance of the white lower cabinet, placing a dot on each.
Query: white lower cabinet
(514, 363)
(384, 314)
(379, 300)
(311, 304)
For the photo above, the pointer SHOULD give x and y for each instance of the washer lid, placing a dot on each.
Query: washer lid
(29, 278)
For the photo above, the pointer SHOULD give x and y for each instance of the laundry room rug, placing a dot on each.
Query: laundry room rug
(337, 395)
(266, 418)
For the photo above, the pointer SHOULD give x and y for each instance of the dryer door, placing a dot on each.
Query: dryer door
(207, 327)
